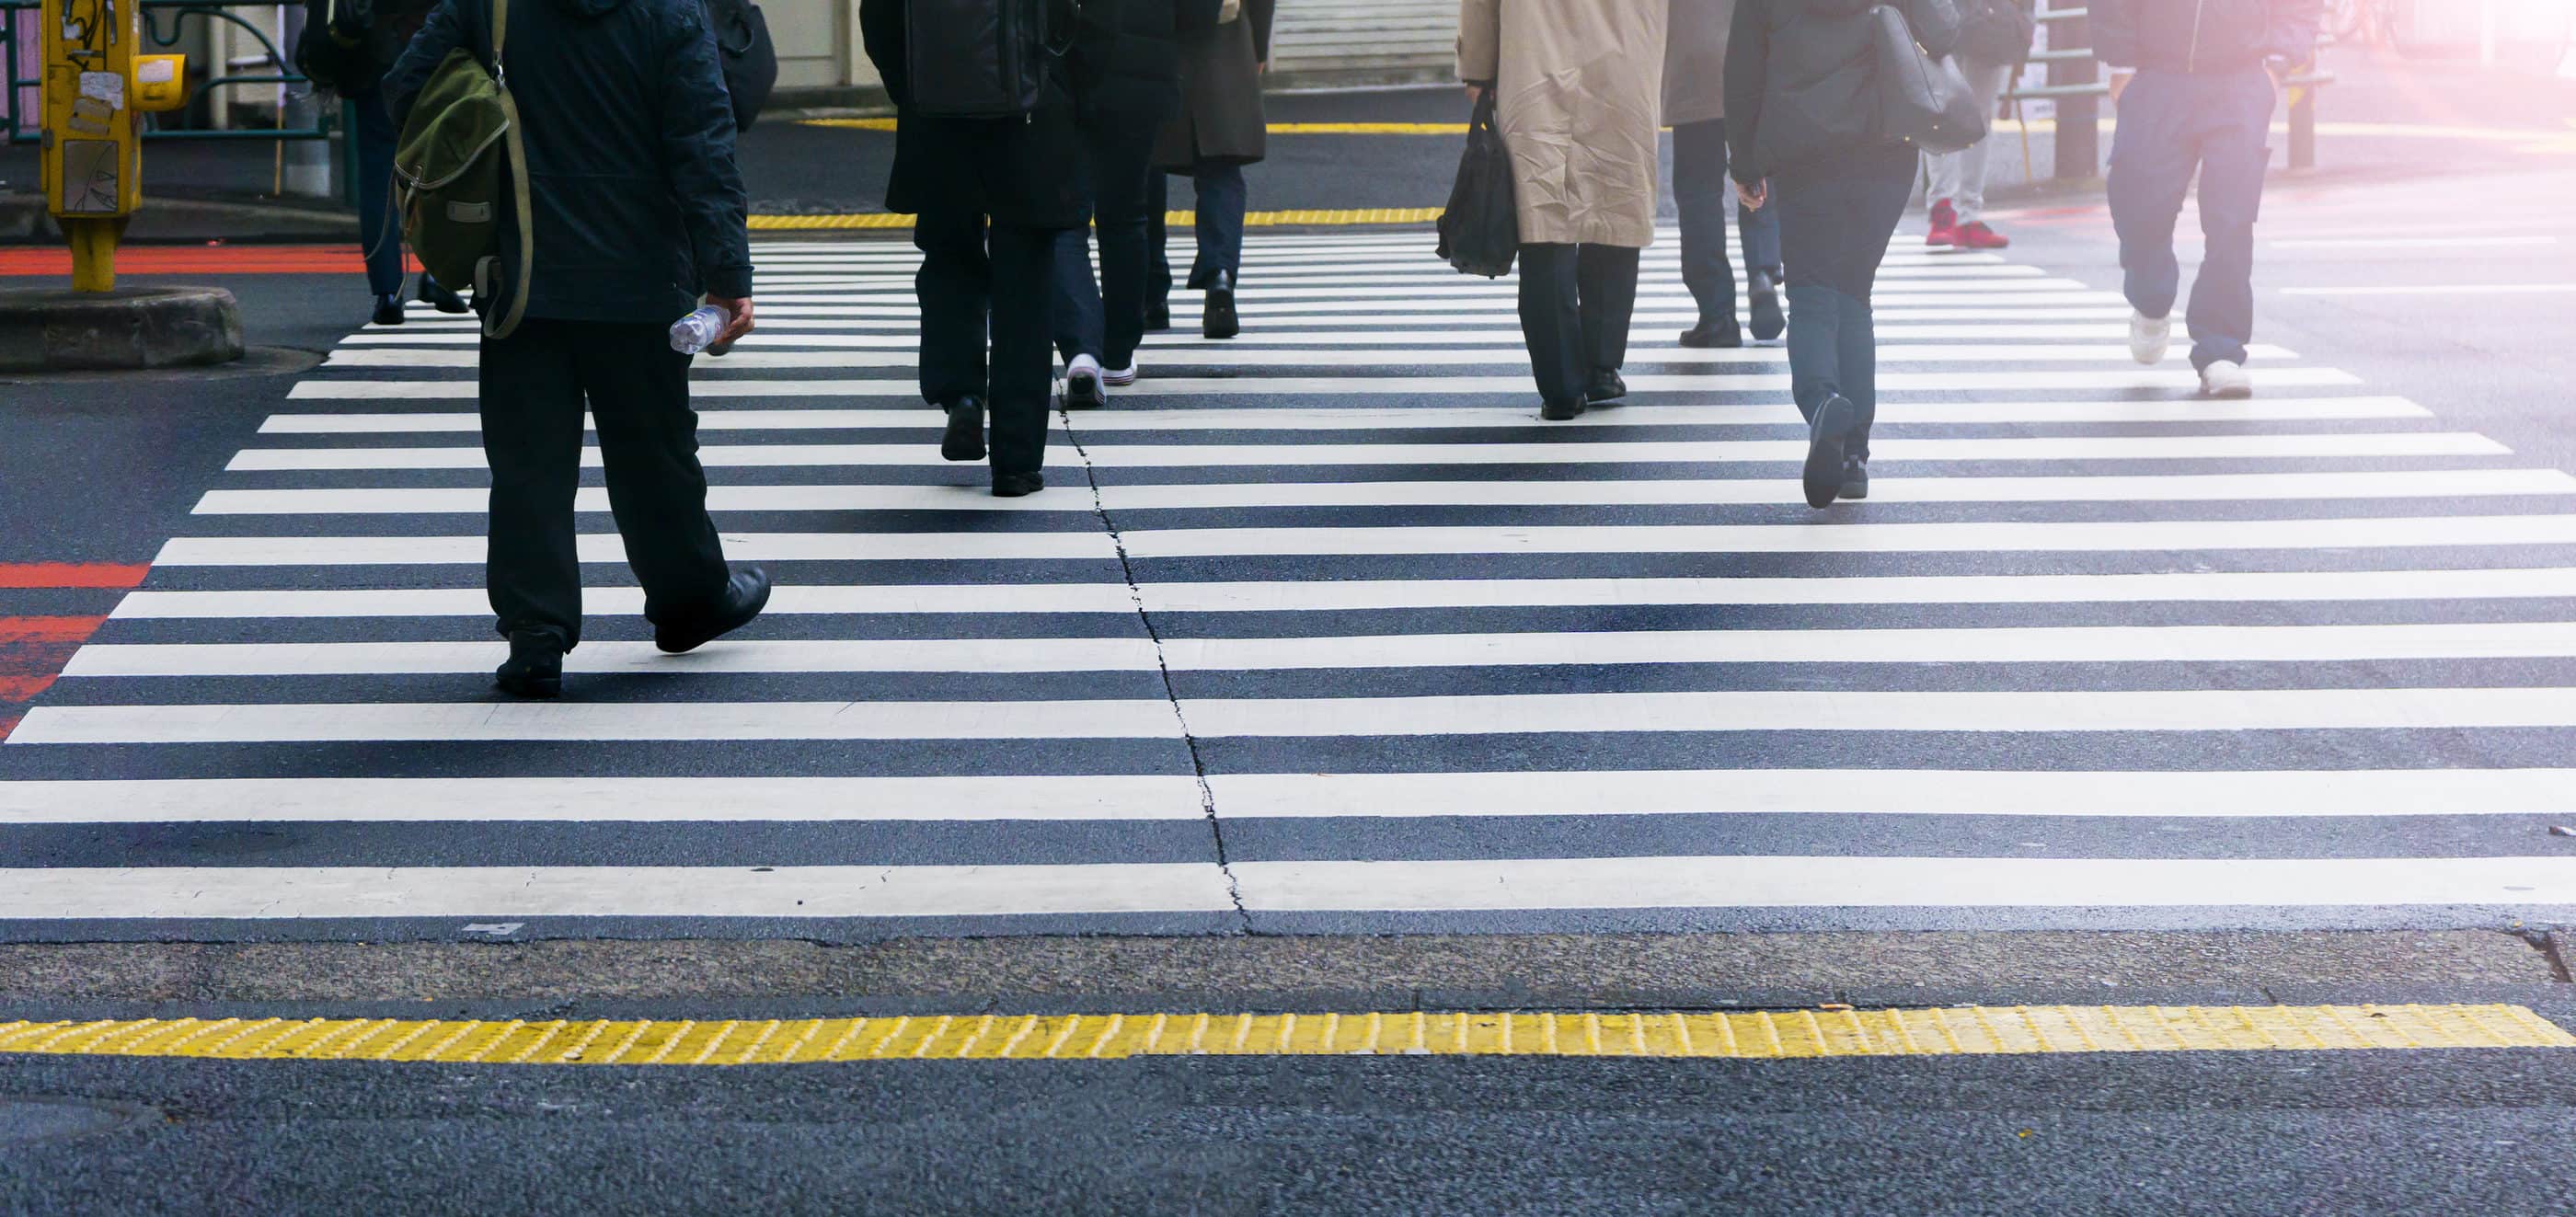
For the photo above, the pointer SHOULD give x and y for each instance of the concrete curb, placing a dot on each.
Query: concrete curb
(55, 330)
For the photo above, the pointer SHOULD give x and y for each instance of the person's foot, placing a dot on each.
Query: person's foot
(1855, 478)
(437, 295)
(389, 310)
(745, 594)
(1219, 320)
(1975, 235)
(2226, 378)
(1945, 225)
(2149, 338)
(1822, 477)
(1158, 318)
(1606, 386)
(1714, 332)
(1120, 378)
(1559, 411)
(1082, 384)
(1017, 485)
(535, 666)
(965, 438)
(1768, 321)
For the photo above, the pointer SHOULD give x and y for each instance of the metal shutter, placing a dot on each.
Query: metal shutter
(1365, 37)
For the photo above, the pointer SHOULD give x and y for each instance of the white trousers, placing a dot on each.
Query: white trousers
(1961, 176)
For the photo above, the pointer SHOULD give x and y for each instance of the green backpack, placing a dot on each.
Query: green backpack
(450, 180)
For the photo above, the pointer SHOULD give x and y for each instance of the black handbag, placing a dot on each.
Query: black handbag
(748, 57)
(1921, 100)
(1480, 233)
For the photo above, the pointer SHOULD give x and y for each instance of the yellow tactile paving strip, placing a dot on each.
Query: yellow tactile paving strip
(1758, 1035)
(1178, 219)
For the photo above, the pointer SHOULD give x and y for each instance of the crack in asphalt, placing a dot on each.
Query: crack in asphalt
(1162, 666)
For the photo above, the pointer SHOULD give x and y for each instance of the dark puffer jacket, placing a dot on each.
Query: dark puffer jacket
(629, 131)
(2202, 37)
(1799, 78)
(1022, 172)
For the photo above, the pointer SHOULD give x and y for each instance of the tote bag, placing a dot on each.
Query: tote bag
(1480, 233)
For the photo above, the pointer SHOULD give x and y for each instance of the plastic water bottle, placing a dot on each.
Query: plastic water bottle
(697, 331)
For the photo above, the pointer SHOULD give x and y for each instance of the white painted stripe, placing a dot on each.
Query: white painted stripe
(2453, 294)
(2241, 794)
(2025, 292)
(1362, 279)
(1991, 645)
(827, 318)
(1366, 595)
(608, 548)
(1570, 452)
(2054, 711)
(1866, 882)
(2411, 244)
(1220, 418)
(2179, 381)
(832, 336)
(265, 893)
(600, 800)
(1477, 290)
(1215, 355)
(2088, 536)
(1692, 492)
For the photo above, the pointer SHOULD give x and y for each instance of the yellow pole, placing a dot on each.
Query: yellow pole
(93, 253)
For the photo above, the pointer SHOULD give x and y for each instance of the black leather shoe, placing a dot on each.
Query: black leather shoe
(744, 596)
(1767, 318)
(1219, 320)
(1822, 478)
(1017, 485)
(535, 666)
(1559, 411)
(389, 310)
(436, 295)
(1714, 332)
(1855, 478)
(1606, 386)
(1158, 318)
(965, 438)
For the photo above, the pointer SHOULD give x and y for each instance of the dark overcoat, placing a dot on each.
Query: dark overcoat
(1220, 119)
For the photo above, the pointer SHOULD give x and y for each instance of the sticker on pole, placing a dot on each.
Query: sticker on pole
(91, 169)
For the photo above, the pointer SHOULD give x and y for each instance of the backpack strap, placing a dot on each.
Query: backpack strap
(507, 323)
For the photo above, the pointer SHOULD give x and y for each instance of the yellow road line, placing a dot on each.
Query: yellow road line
(1181, 219)
(1756, 1035)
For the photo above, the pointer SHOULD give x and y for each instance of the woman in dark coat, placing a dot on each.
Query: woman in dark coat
(1218, 131)
(1800, 112)
(993, 197)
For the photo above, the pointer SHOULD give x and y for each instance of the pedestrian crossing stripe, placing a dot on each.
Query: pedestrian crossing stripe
(1760, 1035)
(2096, 652)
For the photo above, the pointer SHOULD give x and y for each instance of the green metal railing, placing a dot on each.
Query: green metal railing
(164, 21)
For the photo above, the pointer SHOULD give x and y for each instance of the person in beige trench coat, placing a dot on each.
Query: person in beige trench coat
(1578, 89)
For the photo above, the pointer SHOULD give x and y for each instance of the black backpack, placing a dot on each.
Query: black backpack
(749, 58)
(983, 58)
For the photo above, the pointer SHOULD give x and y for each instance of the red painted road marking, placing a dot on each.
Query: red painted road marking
(111, 576)
(200, 260)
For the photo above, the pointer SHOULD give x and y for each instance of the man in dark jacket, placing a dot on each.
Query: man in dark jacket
(2194, 82)
(993, 197)
(637, 212)
(1134, 49)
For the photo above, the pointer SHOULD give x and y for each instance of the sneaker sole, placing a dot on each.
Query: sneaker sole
(1822, 478)
(1084, 393)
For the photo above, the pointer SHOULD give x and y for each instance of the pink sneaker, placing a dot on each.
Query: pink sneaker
(1975, 235)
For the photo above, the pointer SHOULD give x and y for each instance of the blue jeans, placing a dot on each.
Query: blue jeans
(379, 232)
(2170, 124)
(1221, 203)
(1700, 190)
(1836, 217)
(1105, 318)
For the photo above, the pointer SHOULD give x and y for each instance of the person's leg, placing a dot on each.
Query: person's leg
(379, 233)
(1882, 182)
(1967, 191)
(951, 286)
(1552, 324)
(1023, 260)
(648, 440)
(1941, 174)
(1222, 199)
(2152, 157)
(1121, 165)
(2235, 151)
(1700, 187)
(530, 395)
(1080, 325)
(1158, 250)
(1606, 292)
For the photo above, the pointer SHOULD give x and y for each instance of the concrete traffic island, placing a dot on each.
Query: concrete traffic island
(129, 329)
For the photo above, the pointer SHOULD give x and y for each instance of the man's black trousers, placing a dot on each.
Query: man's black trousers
(969, 272)
(534, 386)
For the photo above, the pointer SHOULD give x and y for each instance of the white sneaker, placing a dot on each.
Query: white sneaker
(2226, 378)
(2149, 337)
(1120, 377)
(1082, 381)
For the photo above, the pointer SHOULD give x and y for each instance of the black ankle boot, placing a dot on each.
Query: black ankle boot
(535, 666)
(1713, 332)
(745, 594)
(1017, 485)
(1855, 478)
(1219, 320)
(965, 438)
(1764, 289)
(1822, 476)
(389, 310)
(1606, 386)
